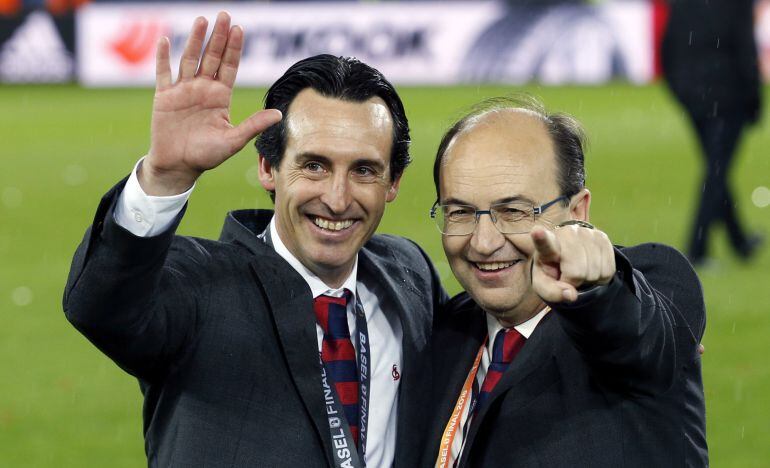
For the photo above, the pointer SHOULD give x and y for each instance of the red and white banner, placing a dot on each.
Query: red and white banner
(410, 42)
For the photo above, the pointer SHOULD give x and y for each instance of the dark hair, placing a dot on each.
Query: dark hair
(567, 136)
(344, 78)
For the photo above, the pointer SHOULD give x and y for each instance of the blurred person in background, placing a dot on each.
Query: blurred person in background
(564, 350)
(710, 63)
(299, 338)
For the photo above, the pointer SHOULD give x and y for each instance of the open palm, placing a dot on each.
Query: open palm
(191, 128)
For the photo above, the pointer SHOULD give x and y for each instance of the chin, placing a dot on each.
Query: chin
(334, 259)
(507, 303)
(495, 301)
(500, 309)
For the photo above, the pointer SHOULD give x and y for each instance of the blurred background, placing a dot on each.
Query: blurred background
(75, 98)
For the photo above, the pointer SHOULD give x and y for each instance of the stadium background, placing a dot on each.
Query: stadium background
(64, 142)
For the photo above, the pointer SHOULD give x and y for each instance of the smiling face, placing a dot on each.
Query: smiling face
(333, 180)
(507, 155)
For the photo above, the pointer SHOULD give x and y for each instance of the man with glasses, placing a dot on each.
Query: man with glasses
(564, 351)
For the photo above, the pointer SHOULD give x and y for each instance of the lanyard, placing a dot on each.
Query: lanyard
(450, 431)
(343, 445)
(364, 368)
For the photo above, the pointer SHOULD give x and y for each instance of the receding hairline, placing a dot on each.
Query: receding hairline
(565, 134)
(496, 116)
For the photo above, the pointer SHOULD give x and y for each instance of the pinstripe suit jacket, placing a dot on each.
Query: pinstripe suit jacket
(222, 338)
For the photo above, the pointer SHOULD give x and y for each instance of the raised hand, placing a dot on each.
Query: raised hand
(191, 129)
(568, 258)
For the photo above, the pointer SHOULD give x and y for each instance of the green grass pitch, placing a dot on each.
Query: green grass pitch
(63, 404)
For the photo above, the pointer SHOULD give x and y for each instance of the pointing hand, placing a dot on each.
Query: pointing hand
(568, 258)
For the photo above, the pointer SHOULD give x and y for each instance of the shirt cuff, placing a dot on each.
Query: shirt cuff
(145, 215)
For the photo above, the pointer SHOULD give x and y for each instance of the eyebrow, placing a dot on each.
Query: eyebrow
(302, 157)
(514, 198)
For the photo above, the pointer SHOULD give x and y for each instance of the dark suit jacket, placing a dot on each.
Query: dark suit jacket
(222, 338)
(710, 59)
(612, 380)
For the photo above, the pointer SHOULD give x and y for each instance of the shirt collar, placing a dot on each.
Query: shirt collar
(525, 328)
(317, 286)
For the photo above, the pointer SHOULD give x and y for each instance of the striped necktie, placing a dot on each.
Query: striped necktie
(507, 345)
(338, 354)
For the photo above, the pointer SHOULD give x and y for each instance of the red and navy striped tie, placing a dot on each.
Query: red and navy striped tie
(507, 345)
(338, 354)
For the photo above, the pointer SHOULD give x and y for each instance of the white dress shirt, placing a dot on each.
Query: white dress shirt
(146, 216)
(493, 326)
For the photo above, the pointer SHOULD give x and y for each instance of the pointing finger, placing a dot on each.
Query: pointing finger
(546, 245)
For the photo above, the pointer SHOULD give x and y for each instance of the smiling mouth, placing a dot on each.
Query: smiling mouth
(494, 266)
(332, 225)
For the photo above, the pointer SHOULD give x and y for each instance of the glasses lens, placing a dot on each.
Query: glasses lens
(455, 220)
(514, 218)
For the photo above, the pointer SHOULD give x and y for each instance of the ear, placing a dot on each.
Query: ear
(266, 176)
(580, 205)
(393, 190)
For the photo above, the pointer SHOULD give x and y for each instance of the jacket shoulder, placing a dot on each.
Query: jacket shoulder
(384, 243)
(457, 313)
(399, 249)
(670, 273)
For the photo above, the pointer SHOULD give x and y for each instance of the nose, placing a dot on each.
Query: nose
(337, 195)
(486, 239)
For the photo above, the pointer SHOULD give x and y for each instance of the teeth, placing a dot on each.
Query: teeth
(492, 266)
(332, 225)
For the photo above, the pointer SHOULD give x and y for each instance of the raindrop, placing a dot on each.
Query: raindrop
(761, 196)
(21, 296)
(252, 175)
(74, 175)
(12, 197)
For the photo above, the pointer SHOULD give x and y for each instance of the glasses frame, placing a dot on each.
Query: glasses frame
(536, 211)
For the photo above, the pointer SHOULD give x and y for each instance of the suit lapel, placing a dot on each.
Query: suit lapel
(455, 346)
(403, 296)
(536, 352)
(291, 305)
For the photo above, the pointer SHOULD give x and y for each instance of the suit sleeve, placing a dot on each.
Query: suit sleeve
(146, 215)
(136, 299)
(627, 329)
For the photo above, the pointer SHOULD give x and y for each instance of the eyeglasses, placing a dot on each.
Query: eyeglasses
(509, 218)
